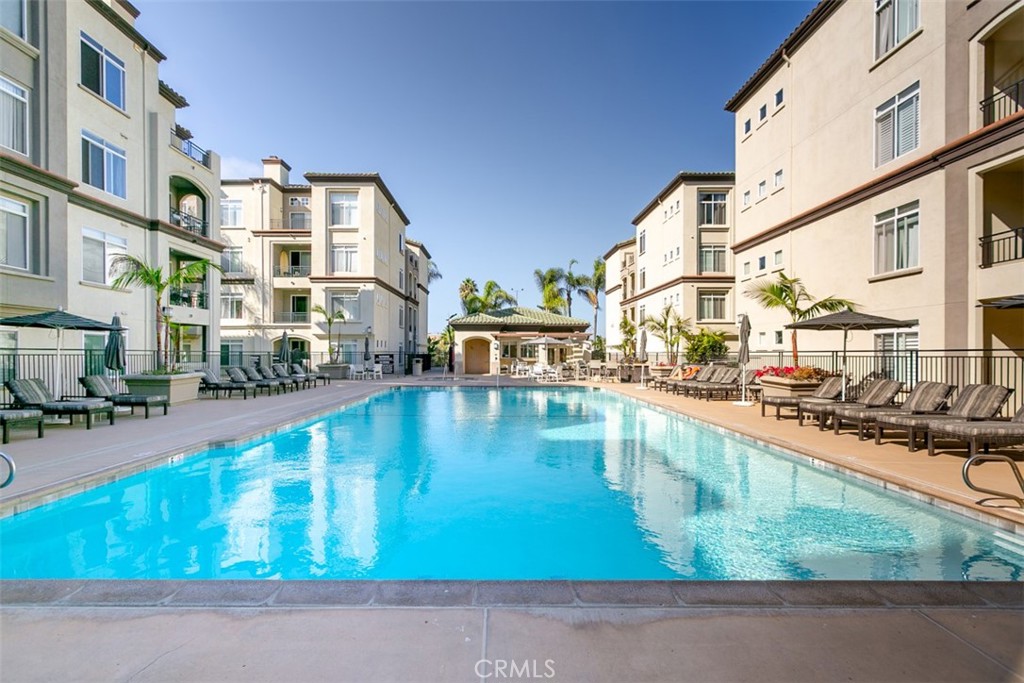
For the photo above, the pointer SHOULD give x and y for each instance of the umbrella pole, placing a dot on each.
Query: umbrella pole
(845, 332)
(60, 373)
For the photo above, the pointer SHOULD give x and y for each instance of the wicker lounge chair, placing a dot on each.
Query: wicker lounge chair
(100, 386)
(286, 382)
(984, 433)
(315, 376)
(828, 391)
(10, 417)
(926, 397)
(974, 402)
(211, 382)
(879, 393)
(727, 377)
(242, 375)
(726, 391)
(301, 379)
(702, 375)
(33, 394)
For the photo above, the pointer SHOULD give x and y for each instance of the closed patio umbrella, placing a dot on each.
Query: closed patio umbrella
(849, 320)
(641, 355)
(366, 348)
(284, 354)
(114, 352)
(743, 357)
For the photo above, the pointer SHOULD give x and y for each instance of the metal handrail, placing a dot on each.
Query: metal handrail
(1004, 103)
(980, 457)
(1002, 247)
(10, 466)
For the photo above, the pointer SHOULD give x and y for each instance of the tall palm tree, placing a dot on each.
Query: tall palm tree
(574, 283)
(132, 270)
(670, 328)
(432, 272)
(789, 294)
(336, 315)
(492, 298)
(467, 290)
(628, 330)
(594, 288)
(549, 282)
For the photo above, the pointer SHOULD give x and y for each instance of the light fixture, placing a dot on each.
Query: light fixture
(369, 329)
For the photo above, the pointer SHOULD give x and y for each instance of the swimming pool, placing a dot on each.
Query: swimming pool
(472, 483)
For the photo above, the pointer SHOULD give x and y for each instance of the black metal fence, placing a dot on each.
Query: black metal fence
(1006, 102)
(1002, 247)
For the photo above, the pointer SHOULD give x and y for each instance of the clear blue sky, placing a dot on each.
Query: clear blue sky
(515, 135)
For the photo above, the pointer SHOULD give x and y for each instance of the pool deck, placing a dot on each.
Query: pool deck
(465, 631)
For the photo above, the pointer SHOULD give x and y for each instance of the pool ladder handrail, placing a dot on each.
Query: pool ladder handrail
(10, 466)
(978, 459)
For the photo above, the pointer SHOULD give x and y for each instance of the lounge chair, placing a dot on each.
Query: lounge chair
(33, 394)
(879, 393)
(315, 376)
(99, 386)
(610, 372)
(10, 417)
(829, 390)
(241, 375)
(726, 377)
(662, 382)
(209, 381)
(702, 374)
(974, 402)
(287, 382)
(282, 373)
(729, 389)
(985, 433)
(926, 397)
(717, 376)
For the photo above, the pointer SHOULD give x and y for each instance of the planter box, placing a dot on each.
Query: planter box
(783, 386)
(335, 370)
(178, 388)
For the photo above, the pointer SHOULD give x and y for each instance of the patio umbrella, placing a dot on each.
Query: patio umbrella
(113, 352)
(59, 320)
(284, 354)
(366, 348)
(545, 341)
(641, 355)
(849, 320)
(743, 357)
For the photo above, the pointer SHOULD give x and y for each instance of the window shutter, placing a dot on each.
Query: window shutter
(884, 131)
(908, 115)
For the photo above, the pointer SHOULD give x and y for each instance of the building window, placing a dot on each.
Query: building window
(779, 98)
(12, 17)
(642, 313)
(401, 318)
(231, 212)
(895, 355)
(778, 336)
(14, 234)
(762, 262)
(643, 241)
(762, 113)
(298, 220)
(98, 252)
(231, 306)
(401, 279)
(778, 258)
(231, 352)
(103, 165)
(13, 116)
(779, 179)
(712, 208)
(643, 279)
(746, 268)
(894, 21)
(401, 243)
(298, 201)
(298, 264)
(746, 127)
(711, 305)
(712, 258)
(762, 189)
(347, 301)
(344, 258)
(897, 239)
(746, 198)
(344, 208)
(231, 260)
(897, 125)
(102, 72)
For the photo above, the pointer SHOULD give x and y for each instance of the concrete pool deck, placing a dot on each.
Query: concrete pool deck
(427, 631)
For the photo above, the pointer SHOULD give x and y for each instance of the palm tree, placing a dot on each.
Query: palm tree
(574, 283)
(133, 270)
(432, 272)
(467, 290)
(336, 315)
(549, 282)
(594, 289)
(628, 330)
(670, 328)
(493, 298)
(789, 293)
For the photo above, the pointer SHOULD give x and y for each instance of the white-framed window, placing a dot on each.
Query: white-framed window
(746, 198)
(762, 262)
(12, 17)
(898, 125)
(712, 258)
(642, 313)
(102, 72)
(231, 306)
(895, 357)
(344, 209)
(401, 243)
(13, 115)
(344, 258)
(746, 268)
(778, 257)
(778, 336)
(14, 233)
(711, 305)
(8, 352)
(401, 279)
(778, 178)
(643, 279)
(104, 165)
(762, 189)
(231, 352)
(298, 220)
(779, 98)
(713, 208)
(98, 252)
(895, 20)
(346, 300)
(231, 260)
(746, 127)
(642, 242)
(762, 113)
(401, 318)
(897, 239)
(762, 340)
(298, 201)
(231, 213)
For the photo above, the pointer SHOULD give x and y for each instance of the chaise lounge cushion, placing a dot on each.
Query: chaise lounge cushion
(13, 416)
(101, 387)
(32, 393)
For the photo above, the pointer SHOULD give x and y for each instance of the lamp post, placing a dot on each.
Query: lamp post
(497, 360)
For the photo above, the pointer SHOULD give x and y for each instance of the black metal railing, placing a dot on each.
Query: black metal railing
(190, 149)
(1006, 102)
(186, 221)
(292, 271)
(190, 298)
(1002, 247)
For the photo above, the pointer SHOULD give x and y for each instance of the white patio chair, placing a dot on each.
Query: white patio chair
(358, 371)
(377, 372)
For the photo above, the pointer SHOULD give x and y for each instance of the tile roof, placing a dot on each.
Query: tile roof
(519, 316)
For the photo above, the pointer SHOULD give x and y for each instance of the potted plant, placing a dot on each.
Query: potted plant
(790, 380)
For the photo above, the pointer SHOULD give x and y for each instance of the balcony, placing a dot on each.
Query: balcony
(181, 141)
(189, 298)
(295, 222)
(1002, 247)
(189, 222)
(292, 271)
(293, 317)
(1007, 102)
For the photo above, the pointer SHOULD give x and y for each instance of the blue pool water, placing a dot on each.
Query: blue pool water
(497, 484)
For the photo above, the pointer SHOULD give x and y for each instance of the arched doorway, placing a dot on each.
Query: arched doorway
(476, 355)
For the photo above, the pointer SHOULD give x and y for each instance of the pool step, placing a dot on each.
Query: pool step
(1009, 542)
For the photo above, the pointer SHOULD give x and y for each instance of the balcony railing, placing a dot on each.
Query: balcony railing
(292, 271)
(287, 224)
(186, 221)
(190, 298)
(291, 317)
(1008, 101)
(190, 149)
(1002, 247)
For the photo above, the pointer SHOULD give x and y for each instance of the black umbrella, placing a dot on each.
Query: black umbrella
(284, 354)
(849, 320)
(59, 320)
(114, 352)
(743, 356)
(366, 348)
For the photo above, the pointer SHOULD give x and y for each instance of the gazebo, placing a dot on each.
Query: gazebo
(485, 342)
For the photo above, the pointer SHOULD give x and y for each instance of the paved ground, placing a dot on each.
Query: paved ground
(462, 631)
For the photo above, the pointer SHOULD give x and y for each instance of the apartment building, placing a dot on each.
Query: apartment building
(93, 164)
(620, 284)
(679, 258)
(337, 241)
(880, 158)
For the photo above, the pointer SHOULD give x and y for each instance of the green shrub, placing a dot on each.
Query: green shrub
(705, 346)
